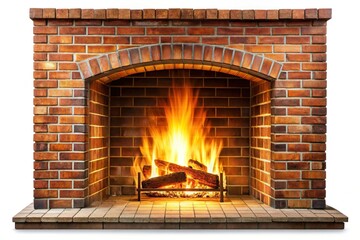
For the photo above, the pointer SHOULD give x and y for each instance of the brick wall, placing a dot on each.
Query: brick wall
(98, 141)
(260, 157)
(75, 46)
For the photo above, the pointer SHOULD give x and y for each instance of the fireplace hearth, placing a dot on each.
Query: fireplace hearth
(129, 103)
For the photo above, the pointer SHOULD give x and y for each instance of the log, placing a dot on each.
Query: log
(208, 179)
(197, 165)
(146, 171)
(166, 180)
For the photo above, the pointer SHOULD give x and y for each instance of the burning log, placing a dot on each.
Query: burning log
(166, 180)
(146, 171)
(197, 165)
(205, 178)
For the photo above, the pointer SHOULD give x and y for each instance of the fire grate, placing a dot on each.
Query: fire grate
(221, 188)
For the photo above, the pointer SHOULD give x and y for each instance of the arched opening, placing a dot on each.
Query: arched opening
(235, 92)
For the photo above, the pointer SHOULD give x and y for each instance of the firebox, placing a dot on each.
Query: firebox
(219, 101)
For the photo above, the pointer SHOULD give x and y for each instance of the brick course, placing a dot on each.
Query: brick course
(79, 54)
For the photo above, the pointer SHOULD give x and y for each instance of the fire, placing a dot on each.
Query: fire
(183, 136)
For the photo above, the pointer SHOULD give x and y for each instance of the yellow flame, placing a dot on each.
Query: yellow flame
(185, 134)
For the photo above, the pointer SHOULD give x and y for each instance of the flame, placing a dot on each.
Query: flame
(184, 135)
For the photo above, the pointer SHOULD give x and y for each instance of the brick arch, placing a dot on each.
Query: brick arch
(112, 66)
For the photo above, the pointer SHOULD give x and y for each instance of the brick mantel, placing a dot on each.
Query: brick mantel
(188, 14)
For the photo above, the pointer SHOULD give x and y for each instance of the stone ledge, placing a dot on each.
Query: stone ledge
(235, 213)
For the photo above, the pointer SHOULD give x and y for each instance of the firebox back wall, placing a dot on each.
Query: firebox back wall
(225, 98)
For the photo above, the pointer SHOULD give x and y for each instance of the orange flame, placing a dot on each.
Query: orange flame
(185, 135)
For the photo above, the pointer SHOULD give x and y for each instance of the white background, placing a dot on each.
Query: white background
(16, 93)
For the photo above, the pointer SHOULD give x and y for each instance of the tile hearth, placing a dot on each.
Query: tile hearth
(158, 213)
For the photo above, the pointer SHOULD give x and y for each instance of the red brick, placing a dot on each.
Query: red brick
(285, 138)
(298, 111)
(72, 156)
(298, 14)
(72, 31)
(297, 40)
(136, 14)
(40, 39)
(201, 31)
(72, 138)
(41, 156)
(42, 193)
(258, 48)
(314, 66)
(174, 13)
(72, 193)
(314, 48)
(124, 13)
(320, 193)
(38, 184)
(211, 14)
(72, 48)
(272, 14)
(38, 137)
(72, 119)
(145, 40)
(286, 174)
(257, 31)
(45, 119)
(287, 194)
(101, 30)
(324, 13)
(271, 40)
(101, 49)
(130, 31)
(60, 147)
(299, 203)
(298, 184)
(49, 13)
(298, 57)
(60, 203)
(286, 31)
(299, 129)
(313, 120)
(321, 156)
(299, 147)
(224, 14)
(248, 14)
(45, 174)
(45, 30)
(60, 184)
(72, 174)
(236, 14)
(165, 31)
(260, 14)
(186, 39)
(291, 66)
(313, 174)
(162, 13)
(215, 40)
(314, 138)
(40, 128)
(40, 110)
(187, 13)
(299, 93)
(314, 102)
(40, 93)
(287, 48)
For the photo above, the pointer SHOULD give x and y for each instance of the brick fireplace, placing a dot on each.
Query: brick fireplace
(260, 75)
